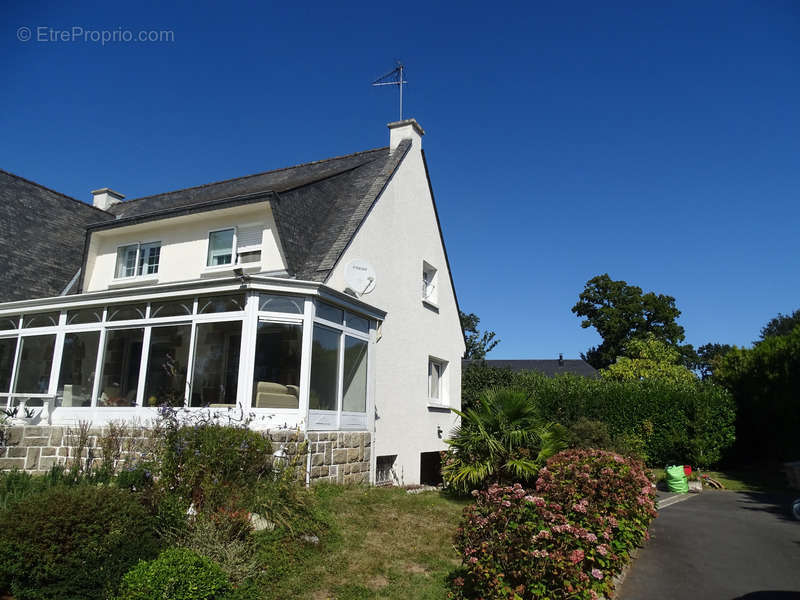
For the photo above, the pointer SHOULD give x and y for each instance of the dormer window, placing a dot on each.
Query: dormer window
(430, 281)
(246, 239)
(135, 260)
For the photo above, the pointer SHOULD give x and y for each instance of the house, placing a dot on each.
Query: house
(551, 368)
(317, 299)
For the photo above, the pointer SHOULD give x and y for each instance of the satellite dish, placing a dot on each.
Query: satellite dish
(359, 276)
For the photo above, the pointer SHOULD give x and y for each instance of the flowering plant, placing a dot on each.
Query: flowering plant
(566, 539)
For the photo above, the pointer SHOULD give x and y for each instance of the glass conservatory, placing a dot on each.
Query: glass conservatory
(288, 353)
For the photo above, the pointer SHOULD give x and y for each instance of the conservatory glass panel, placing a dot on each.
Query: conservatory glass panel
(282, 304)
(330, 313)
(35, 361)
(85, 315)
(78, 362)
(324, 368)
(354, 392)
(41, 320)
(167, 364)
(218, 304)
(126, 312)
(276, 378)
(216, 364)
(7, 323)
(8, 347)
(172, 308)
(121, 362)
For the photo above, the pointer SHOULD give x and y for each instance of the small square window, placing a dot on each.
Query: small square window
(430, 281)
(436, 381)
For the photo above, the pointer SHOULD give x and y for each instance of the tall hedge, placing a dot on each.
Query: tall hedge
(765, 382)
(677, 423)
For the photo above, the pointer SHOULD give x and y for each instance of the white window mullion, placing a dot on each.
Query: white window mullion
(143, 366)
(101, 351)
(190, 363)
(340, 382)
(14, 369)
(305, 359)
(248, 352)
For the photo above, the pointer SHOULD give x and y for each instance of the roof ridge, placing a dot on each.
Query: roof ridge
(205, 185)
(44, 187)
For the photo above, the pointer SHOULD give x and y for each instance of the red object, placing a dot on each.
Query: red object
(687, 469)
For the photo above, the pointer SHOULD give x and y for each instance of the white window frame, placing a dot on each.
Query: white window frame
(430, 285)
(137, 276)
(235, 250)
(339, 419)
(443, 401)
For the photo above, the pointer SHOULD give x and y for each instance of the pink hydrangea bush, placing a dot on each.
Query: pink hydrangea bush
(567, 539)
(610, 494)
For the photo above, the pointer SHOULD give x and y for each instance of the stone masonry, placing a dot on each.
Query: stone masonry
(336, 456)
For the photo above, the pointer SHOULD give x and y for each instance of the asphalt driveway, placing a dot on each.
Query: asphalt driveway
(719, 546)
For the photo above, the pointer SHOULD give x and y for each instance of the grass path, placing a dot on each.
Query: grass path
(385, 544)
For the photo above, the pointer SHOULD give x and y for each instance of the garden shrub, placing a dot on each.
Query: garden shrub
(668, 423)
(566, 540)
(213, 465)
(72, 542)
(177, 574)
(224, 542)
(595, 485)
(586, 433)
(501, 440)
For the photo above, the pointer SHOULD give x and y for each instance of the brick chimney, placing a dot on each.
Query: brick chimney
(407, 129)
(105, 197)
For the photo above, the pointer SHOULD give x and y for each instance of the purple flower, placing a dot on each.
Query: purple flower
(597, 574)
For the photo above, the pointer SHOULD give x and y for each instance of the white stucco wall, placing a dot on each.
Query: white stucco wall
(184, 244)
(396, 237)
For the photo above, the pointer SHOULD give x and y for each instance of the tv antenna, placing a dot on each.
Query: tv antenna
(394, 77)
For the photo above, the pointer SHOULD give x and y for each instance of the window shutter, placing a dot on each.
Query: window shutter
(248, 238)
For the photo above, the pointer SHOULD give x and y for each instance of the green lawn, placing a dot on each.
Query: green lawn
(384, 543)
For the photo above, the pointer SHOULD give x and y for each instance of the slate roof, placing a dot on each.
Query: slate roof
(551, 368)
(317, 206)
(41, 238)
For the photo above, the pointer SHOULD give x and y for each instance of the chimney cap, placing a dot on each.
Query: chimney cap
(405, 122)
(108, 191)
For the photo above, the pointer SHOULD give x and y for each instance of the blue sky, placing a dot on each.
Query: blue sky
(658, 143)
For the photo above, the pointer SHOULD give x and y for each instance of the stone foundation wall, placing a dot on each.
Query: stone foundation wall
(336, 456)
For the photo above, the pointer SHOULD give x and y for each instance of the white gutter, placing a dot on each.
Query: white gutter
(188, 288)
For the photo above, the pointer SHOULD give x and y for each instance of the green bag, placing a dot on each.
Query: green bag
(677, 482)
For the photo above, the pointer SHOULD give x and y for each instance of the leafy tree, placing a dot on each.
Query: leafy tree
(479, 344)
(621, 312)
(780, 325)
(705, 358)
(502, 440)
(765, 383)
(649, 358)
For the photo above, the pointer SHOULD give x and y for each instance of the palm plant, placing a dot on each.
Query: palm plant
(501, 440)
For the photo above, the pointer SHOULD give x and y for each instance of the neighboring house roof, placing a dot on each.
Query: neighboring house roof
(551, 368)
(41, 238)
(317, 206)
